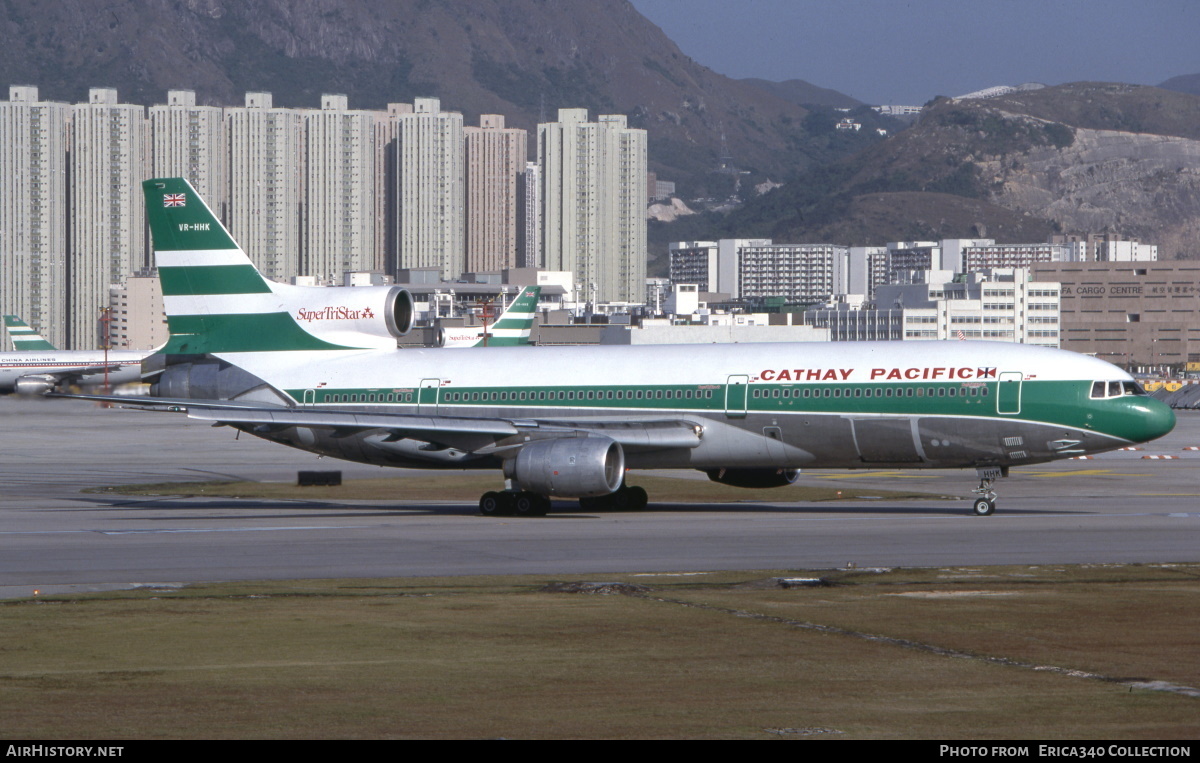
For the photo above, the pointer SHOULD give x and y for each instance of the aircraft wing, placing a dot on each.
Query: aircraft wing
(483, 435)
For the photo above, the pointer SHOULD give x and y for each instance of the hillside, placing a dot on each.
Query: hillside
(1077, 158)
(521, 58)
(805, 93)
(1186, 83)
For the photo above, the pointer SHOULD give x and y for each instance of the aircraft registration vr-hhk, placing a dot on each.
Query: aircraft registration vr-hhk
(569, 422)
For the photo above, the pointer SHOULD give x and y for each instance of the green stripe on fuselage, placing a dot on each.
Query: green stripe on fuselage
(1058, 403)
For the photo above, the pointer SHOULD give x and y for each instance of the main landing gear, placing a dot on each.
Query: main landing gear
(625, 498)
(510, 503)
(523, 503)
(985, 504)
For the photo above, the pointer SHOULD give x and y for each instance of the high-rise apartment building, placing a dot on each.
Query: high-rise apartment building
(138, 320)
(495, 158)
(340, 205)
(913, 256)
(428, 185)
(594, 203)
(266, 184)
(33, 211)
(1001, 305)
(189, 141)
(711, 265)
(746, 268)
(529, 216)
(800, 273)
(1104, 247)
(695, 262)
(109, 160)
(868, 270)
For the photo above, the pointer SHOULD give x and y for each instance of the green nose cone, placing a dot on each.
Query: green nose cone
(1155, 419)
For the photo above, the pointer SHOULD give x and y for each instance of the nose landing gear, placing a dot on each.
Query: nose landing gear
(985, 504)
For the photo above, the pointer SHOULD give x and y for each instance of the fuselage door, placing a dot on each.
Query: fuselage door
(1008, 393)
(427, 396)
(310, 397)
(736, 392)
(888, 441)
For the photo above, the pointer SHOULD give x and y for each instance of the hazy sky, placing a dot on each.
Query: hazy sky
(908, 51)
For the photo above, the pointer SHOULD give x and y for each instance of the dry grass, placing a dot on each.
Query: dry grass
(702, 656)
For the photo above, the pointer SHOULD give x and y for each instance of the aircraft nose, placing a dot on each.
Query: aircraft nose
(1156, 420)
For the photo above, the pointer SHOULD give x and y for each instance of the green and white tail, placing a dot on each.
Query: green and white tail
(512, 328)
(217, 301)
(23, 337)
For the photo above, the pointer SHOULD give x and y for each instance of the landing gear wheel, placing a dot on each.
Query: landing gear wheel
(985, 503)
(624, 498)
(638, 498)
(531, 505)
(494, 504)
(984, 507)
(618, 501)
(508, 504)
(489, 504)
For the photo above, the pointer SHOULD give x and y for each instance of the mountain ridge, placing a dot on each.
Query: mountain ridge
(521, 58)
(1078, 158)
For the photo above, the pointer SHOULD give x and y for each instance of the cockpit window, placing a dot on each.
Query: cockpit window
(1133, 388)
(1101, 390)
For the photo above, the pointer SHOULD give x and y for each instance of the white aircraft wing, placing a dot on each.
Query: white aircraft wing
(482, 435)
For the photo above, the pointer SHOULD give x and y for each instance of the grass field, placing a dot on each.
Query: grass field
(1090, 652)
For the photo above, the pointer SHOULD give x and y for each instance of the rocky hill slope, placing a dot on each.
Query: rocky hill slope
(1077, 158)
(521, 58)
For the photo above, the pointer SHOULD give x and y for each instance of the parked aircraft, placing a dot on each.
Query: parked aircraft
(36, 368)
(570, 421)
(513, 327)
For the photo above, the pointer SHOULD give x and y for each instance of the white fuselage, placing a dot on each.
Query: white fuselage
(832, 405)
(817, 363)
(84, 367)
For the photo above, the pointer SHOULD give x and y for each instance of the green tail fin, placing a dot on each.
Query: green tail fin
(215, 298)
(23, 337)
(515, 324)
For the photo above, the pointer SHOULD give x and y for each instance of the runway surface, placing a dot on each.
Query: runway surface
(1118, 508)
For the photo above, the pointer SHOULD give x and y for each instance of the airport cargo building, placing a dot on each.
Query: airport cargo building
(1133, 314)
